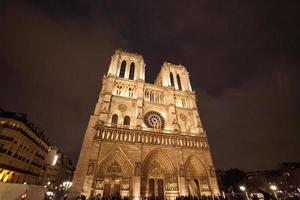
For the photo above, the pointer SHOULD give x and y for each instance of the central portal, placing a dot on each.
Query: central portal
(159, 179)
(156, 188)
(112, 189)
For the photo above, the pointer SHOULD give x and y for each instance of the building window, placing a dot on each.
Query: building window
(130, 91)
(171, 79)
(119, 89)
(114, 119)
(179, 82)
(147, 95)
(151, 96)
(154, 119)
(127, 120)
(131, 71)
(122, 69)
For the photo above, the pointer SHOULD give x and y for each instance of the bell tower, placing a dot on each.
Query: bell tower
(127, 65)
(176, 76)
(144, 140)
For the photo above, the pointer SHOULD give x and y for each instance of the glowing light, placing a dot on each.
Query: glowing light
(49, 193)
(242, 188)
(273, 187)
(67, 184)
(6, 175)
(55, 159)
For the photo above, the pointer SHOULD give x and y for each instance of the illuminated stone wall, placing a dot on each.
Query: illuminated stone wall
(22, 151)
(145, 139)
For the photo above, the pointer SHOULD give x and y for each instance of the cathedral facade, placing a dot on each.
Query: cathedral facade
(145, 140)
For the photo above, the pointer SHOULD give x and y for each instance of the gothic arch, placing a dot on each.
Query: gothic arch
(160, 158)
(172, 79)
(196, 176)
(115, 164)
(194, 167)
(114, 119)
(131, 71)
(122, 69)
(127, 120)
(158, 169)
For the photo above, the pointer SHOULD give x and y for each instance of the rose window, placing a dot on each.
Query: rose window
(154, 119)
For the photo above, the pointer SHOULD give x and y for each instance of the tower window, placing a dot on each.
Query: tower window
(122, 69)
(171, 79)
(131, 71)
(131, 90)
(114, 119)
(179, 82)
(127, 120)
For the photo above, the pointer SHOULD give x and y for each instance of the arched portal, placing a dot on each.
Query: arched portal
(113, 175)
(159, 176)
(196, 177)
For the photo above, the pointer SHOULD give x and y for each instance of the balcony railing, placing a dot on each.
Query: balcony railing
(149, 137)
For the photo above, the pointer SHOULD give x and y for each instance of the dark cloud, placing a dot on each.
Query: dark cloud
(243, 58)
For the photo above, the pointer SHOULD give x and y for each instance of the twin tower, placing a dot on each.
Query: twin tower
(145, 140)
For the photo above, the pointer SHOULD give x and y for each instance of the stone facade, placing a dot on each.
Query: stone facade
(23, 149)
(145, 140)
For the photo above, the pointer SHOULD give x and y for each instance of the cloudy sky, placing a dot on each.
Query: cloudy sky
(243, 57)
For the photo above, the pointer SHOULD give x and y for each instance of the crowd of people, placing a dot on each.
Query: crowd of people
(118, 197)
(229, 197)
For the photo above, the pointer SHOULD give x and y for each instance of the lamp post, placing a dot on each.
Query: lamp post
(243, 189)
(274, 188)
(67, 184)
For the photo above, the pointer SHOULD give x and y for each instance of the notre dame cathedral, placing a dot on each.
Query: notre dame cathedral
(145, 140)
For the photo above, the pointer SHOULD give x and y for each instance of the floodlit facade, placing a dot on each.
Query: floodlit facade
(145, 140)
(23, 149)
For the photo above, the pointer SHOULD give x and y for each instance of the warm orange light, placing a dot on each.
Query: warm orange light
(6, 175)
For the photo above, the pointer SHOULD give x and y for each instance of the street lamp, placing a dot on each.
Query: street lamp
(274, 188)
(67, 184)
(243, 189)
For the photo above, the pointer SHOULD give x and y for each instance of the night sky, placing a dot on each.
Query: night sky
(243, 57)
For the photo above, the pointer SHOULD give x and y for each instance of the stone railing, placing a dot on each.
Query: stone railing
(148, 137)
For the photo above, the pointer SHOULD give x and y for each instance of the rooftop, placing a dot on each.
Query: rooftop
(21, 117)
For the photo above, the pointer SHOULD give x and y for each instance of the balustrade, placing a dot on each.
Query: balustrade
(148, 137)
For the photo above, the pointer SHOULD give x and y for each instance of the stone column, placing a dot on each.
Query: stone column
(136, 182)
(128, 63)
(136, 187)
(181, 182)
